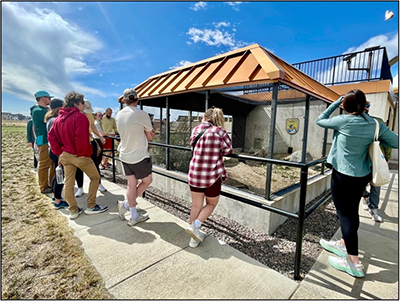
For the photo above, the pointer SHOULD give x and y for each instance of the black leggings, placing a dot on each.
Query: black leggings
(57, 188)
(346, 195)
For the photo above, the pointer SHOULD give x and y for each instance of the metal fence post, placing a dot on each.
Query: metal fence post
(305, 131)
(167, 134)
(300, 228)
(271, 142)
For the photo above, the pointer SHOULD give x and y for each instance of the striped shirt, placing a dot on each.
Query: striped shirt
(207, 164)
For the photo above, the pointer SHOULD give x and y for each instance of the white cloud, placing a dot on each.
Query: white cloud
(234, 5)
(389, 41)
(220, 35)
(225, 24)
(180, 64)
(396, 81)
(41, 50)
(198, 6)
(211, 37)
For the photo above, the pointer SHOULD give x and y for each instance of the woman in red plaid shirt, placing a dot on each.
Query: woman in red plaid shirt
(207, 170)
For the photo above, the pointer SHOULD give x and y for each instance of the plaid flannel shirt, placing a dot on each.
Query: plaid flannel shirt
(207, 164)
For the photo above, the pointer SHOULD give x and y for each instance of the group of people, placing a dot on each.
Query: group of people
(70, 147)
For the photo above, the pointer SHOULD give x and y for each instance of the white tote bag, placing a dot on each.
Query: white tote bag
(380, 169)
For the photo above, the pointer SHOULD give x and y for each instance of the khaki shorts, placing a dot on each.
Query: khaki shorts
(140, 170)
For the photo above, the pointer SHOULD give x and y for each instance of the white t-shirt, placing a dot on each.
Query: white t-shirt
(132, 122)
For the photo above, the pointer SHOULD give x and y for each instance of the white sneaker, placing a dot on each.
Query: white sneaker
(140, 218)
(334, 246)
(102, 188)
(121, 209)
(374, 215)
(193, 243)
(356, 270)
(364, 203)
(79, 192)
(195, 233)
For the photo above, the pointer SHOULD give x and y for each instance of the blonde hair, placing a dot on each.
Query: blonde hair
(51, 113)
(215, 116)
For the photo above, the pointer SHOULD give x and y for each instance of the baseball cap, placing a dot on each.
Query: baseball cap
(42, 93)
(130, 92)
(88, 109)
(55, 103)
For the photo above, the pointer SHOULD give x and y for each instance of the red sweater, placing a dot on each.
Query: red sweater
(69, 133)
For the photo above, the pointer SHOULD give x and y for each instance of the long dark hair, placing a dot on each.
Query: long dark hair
(354, 102)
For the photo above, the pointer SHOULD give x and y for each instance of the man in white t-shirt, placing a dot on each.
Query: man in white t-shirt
(135, 129)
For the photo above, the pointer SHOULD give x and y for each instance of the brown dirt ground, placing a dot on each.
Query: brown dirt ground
(41, 258)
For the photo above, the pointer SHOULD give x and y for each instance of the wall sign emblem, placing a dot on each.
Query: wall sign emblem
(292, 126)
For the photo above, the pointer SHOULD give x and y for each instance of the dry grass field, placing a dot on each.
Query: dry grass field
(41, 258)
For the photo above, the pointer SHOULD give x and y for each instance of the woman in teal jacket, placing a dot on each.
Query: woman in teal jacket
(353, 133)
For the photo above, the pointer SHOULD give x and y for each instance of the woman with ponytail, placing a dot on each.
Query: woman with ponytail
(206, 170)
(351, 172)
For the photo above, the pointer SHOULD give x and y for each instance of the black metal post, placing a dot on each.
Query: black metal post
(161, 122)
(305, 131)
(300, 228)
(334, 70)
(206, 101)
(113, 157)
(167, 134)
(271, 142)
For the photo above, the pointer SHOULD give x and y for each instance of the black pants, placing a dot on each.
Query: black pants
(96, 159)
(346, 194)
(57, 188)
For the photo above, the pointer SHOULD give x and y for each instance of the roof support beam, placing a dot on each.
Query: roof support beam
(215, 71)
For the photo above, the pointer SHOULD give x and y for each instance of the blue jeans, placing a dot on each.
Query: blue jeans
(373, 196)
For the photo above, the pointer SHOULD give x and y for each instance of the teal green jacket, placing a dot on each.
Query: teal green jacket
(38, 112)
(351, 137)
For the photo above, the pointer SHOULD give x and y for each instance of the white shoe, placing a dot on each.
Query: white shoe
(364, 203)
(374, 215)
(343, 264)
(79, 192)
(195, 233)
(334, 246)
(121, 209)
(140, 218)
(102, 188)
(193, 243)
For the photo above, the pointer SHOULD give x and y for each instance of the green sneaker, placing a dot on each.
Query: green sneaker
(355, 270)
(334, 246)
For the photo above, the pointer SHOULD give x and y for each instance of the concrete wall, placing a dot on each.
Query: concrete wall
(247, 215)
(258, 123)
(380, 107)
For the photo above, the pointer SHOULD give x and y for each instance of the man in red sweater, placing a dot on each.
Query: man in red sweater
(69, 139)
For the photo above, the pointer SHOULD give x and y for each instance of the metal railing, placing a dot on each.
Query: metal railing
(370, 64)
(301, 215)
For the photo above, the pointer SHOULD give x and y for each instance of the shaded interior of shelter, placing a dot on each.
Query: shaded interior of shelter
(257, 92)
(248, 121)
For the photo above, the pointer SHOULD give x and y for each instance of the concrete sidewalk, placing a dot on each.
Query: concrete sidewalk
(153, 260)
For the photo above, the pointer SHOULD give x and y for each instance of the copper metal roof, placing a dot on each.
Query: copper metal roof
(246, 66)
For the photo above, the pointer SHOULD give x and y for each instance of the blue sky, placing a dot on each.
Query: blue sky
(101, 48)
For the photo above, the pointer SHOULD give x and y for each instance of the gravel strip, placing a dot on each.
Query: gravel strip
(277, 251)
